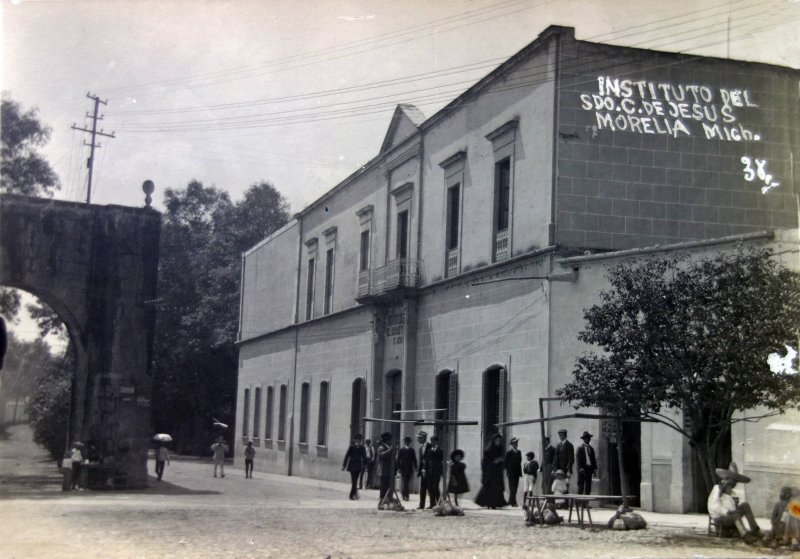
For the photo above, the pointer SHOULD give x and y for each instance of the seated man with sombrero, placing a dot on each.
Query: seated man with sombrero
(726, 511)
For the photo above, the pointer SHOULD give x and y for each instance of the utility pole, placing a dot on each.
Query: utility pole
(94, 132)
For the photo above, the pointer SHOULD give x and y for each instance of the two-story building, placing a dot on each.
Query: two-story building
(451, 271)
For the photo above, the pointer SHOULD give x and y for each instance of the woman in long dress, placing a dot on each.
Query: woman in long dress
(492, 489)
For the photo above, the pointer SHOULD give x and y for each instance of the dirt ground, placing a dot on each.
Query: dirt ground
(193, 515)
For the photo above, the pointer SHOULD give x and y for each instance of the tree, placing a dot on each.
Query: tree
(49, 406)
(203, 235)
(24, 361)
(693, 336)
(24, 170)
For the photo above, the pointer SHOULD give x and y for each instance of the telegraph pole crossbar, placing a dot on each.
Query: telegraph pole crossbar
(94, 132)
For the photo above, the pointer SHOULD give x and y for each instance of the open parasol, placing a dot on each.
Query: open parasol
(162, 438)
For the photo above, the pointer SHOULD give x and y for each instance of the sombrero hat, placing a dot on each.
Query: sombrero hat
(732, 473)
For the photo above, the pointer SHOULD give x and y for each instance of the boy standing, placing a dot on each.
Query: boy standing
(529, 470)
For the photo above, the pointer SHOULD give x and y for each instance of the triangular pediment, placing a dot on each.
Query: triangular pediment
(405, 122)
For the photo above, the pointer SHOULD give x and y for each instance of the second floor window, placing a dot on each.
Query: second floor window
(402, 234)
(310, 290)
(502, 178)
(453, 196)
(328, 281)
(363, 257)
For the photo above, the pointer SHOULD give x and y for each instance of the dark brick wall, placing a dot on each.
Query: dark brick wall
(623, 184)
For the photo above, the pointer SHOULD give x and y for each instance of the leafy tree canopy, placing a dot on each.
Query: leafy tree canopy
(24, 170)
(203, 235)
(693, 336)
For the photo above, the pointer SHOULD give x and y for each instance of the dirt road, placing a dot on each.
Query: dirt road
(193, 515)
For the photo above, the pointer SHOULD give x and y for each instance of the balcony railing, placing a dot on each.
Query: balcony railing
(501, 244)
(452, 263)
(363, 283)
(398, 275)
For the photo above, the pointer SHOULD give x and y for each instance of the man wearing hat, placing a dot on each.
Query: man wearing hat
(513, 465)
(587, 465)
(354, 462)
(385, 464)
(434, 470)
(725, 511)
(424, 448)
(406, 465)
(565, 455)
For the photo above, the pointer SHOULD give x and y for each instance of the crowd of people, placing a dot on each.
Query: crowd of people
(375, 467)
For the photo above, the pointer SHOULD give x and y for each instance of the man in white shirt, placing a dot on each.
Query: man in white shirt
(723, 508)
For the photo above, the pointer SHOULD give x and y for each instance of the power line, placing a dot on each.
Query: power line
(223, 123)
(371, 43)
(678, 21)
(540, 76)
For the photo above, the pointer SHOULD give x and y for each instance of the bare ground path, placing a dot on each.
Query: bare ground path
(193, 515)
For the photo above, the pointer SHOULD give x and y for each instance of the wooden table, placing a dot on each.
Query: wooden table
(580, 503)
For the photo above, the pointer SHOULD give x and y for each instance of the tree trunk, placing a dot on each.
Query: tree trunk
(707, 466)
(624, 481)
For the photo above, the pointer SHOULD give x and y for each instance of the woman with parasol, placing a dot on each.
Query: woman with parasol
(162, 454)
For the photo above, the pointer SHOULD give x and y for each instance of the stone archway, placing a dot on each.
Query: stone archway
(97, 267)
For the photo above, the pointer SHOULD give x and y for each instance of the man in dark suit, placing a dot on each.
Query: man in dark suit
(513, 465)
(422, 439)
(406, 464)
(354, 462)
(369, 464)
(565, 455)
(587, 465)
(434, 469)
(548, 459)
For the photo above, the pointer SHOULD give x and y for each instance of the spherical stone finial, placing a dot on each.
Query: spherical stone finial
(148, 187)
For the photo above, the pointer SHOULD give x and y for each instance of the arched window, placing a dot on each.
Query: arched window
(395, 385)
(447, 400)
(494, 401)
(358, 407)
(322, 424)
(282, 414)
(305, 393)
(246, 413)
(257, 414)
(269, 413)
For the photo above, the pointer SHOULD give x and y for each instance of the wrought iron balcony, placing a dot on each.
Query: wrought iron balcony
(398, 277)
(501, 245)
(452, 263)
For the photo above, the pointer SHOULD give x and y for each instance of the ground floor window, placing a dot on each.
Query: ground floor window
(494, 402)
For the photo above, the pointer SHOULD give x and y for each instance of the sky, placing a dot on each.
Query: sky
(300, 93)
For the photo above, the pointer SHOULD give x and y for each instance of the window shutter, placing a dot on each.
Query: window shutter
(452, 403)
(452, 411)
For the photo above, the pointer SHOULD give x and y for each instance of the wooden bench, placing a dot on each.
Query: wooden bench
(579, 503)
